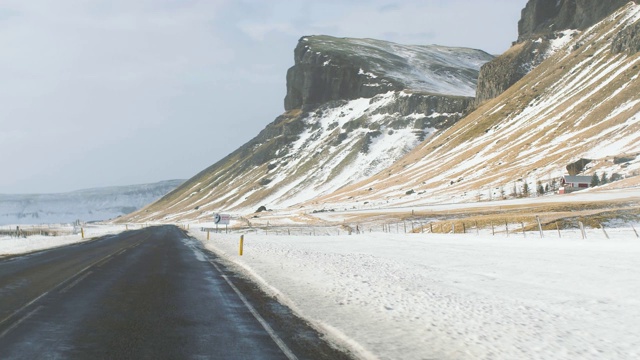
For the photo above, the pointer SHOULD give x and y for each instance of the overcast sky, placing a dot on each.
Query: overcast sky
(100, 93)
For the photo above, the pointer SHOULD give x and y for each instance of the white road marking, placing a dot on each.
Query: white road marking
(105, 259)
(285, 349)
(15, 324)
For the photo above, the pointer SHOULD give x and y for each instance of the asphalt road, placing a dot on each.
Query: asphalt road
(145, 294)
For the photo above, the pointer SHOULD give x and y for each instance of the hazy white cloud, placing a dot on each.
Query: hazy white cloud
(133, 91)
(259, 31)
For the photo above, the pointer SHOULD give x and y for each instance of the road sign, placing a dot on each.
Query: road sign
(222, 219)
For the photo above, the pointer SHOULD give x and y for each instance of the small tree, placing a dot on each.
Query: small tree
(546, 188)
(595, 181)
(603, 179)
(525, 190)
(540, 188)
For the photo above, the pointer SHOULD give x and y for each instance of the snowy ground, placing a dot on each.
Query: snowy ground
(428, 296)
(425, 296)
(12, 245)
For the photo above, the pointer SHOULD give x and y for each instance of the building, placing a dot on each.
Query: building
(574, 183)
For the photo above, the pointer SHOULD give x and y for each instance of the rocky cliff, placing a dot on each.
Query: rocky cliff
(627, 40)
(328, 68)
(542, 22)
(543, 17)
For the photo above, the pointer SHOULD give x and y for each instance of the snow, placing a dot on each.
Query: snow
(12, 245)
(416, 296)
(560, 42)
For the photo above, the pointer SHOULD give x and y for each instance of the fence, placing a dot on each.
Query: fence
(44, 230)
(534, 227)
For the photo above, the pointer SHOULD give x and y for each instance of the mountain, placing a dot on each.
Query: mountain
(353, 107)
(362, 129)
(85, 205)
(580, 107)
(544, 24)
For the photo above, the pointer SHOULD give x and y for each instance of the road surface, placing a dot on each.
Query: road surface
(145, 294)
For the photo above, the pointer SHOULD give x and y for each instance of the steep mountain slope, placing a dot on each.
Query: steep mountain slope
(543, 24)
(351, 104)
(85, 205)
(583, 102)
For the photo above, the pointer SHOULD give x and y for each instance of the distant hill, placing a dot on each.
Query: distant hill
(85, 205)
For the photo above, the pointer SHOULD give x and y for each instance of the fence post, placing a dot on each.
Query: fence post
(584, 235)
(506, 226)
(540, 227)
(523, 233)
(634, 230)
(464, 229)
(477, 230)
(558, 228)
(604, 231)
(493, 230)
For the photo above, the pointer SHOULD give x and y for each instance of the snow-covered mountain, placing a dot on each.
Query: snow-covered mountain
(352, 115)
(583, 102)
(354, 106)
(84, 205)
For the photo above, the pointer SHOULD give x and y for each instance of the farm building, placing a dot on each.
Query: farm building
(574, 183)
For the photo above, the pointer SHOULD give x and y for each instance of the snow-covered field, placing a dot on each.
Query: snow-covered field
(12, 245)
(434, 296)
(427, 296)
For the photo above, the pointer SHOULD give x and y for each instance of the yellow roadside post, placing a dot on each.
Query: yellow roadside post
(207, 234)
(82, 232)
(241, 243)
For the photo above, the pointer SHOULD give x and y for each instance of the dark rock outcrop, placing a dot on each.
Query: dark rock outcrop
(541, 17)
(499, 74)
(317, 78)
(577, 167)
(328, 68)
(627, 40)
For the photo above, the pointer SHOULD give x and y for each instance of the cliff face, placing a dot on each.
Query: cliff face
(498, 75)
(541, 23)
(541, 17)
(318, 78)
(627, 40)
(328, 68)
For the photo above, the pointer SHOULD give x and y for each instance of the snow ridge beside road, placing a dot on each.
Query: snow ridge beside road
(418, 296)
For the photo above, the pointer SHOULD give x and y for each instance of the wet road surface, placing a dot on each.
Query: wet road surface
(146, 294)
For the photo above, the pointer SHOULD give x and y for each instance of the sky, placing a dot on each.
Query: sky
(99, 93)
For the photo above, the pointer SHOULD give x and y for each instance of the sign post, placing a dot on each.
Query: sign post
(222, 219)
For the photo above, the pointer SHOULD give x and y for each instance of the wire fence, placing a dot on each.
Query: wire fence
(508, 227)
(43, 230)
